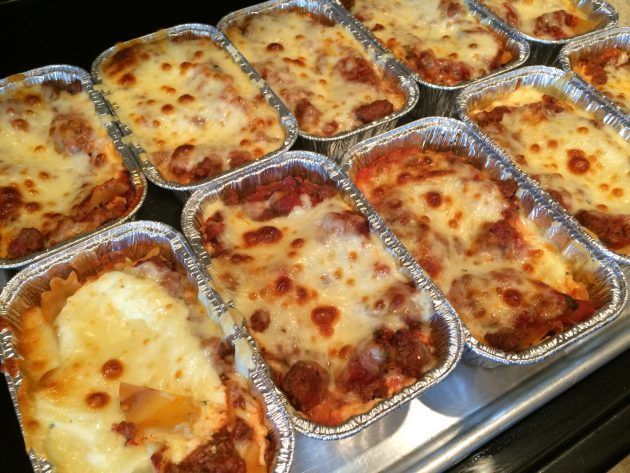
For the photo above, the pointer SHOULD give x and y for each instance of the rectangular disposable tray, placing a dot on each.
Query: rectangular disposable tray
(545, 51)
(607, 286)
(568, 87)
(334, 146)
(444, 322)
(195, 30)
(67, 74)
(134, 239)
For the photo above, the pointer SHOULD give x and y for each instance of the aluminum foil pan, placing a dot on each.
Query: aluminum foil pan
(607, 285)
(436, 99)
(544, 51)
(335, 146)
(590, 45)
(444, 320)
(566, 86)
(134, 239)
(68, 74)
(287, 120)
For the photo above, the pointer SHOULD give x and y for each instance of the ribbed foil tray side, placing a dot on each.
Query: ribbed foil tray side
(335, 146)
(435, 99)
(134, 239)
(607, 283)
(590, 45)
(317, 167)
(68, 74)
(287, 120)
(544, 51)
(567, 86)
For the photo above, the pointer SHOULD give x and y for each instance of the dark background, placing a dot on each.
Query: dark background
(585, 429)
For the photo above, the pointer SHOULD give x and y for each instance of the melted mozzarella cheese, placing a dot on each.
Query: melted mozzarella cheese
(617, 85)
(336, 271)
(190, 92)
(545, 144)
(52, 182)
(408, 25)
(305, 67)
(134, 320)
(529, 10)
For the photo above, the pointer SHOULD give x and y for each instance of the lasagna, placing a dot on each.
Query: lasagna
(578, 160)
(190, 106)
(544, 19)
(511, 288)
(125, 371)
(60, 173)
(608, 70)
(336, 321)
(322, 72)
(441, 40)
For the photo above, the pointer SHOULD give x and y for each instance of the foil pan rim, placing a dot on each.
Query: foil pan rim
(382, 58)
(609, 113)
(443, 311)
(589, 43)
(137, 179)
(602, 6)
(614, 275)
(286, 119)
(276, 414)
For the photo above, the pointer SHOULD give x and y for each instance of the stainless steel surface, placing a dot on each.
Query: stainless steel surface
(607, 287)
(335, 146)
(68, 74)
(287, 120)
(454, 418)
(566, 86)
(135, 239)
(435, 99)
(544, 51)
(592, 45)
(444, 322)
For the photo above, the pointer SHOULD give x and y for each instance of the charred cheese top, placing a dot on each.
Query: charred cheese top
(319, 69)
(120, 374)
(54, 151)
(440, 39)
(546, 19)
(582, 162)
(190, 106)
(470, 233)
(313, 284)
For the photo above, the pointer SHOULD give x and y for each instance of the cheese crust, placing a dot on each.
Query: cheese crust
(319, 69)
(60, 173)
(470, 233)
(439, 39)
(126, 371)
(190, 106)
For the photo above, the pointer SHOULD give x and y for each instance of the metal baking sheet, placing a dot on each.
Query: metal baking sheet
(590, 45)
(545, 51)
(436, 99)
(335, 146)
(67, 74)
(287, 120)
(566, 86)
(134, 239)
(605, 280)
(444, 320)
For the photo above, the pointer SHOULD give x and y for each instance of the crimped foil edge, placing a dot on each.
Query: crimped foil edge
(572, 90)
(445, 133)
(286, 118)
(334, 146)
(130, 237)
(618, 37)
(67, 73)
(444, 319)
